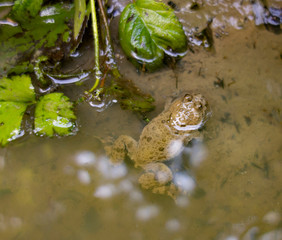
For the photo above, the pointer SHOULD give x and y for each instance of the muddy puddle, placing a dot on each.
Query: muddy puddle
(67, 189)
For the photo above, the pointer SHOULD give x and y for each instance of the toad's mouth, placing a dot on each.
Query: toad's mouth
(181, 127)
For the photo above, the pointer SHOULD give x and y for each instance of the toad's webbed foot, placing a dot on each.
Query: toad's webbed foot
(122, 146)
(158, 178)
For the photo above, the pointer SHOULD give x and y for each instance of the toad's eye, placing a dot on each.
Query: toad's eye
(187, 98)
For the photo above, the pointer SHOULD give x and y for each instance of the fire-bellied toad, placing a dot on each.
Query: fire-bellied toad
(163, 139)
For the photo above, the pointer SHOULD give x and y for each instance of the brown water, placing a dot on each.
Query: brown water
(67, 189)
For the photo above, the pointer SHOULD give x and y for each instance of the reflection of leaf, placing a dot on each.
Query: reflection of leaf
(48, 33)
(147, 29)
(16, 94)
(54, 114)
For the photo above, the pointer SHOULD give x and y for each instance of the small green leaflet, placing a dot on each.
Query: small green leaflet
(11, 114)
(17, 89)
(16, 94)
(54, 115)
(148, 30)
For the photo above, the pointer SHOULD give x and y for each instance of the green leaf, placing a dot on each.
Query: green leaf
(16, 94)
(17, 89)
(54, 115)
(149, 29)
(11, 114)
(23, 9)
(79, 15)
(48, 32)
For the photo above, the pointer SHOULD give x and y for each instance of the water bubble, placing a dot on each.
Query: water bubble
(83, 176)
(184, 181)
(172, 225)
(136, 196)
(15, 222)
(125, 186)
(109, 170)
(147, 212)
(272, 218)
(105, 191)
(231, 238)
(85, 158)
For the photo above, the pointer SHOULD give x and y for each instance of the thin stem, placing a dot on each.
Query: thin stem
(110, 50)
(96, 45)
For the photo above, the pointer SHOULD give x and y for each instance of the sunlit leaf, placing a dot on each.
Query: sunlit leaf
(17, 89)
(149, 29)
(16, 93)
(11, 114)
(54, 115)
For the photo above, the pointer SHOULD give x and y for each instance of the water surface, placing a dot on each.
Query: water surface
(67, 189)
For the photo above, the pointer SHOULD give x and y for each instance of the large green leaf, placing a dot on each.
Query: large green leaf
(17, 89)
(54, 114)
(48, 32)
(16, 94)
(11, 114)
(149, 29)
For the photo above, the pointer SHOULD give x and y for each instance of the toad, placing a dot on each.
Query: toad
(161, 140)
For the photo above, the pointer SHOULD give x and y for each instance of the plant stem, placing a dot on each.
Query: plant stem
(110, 51)
(96, 45)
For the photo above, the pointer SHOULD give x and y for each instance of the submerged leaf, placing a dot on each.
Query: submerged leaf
(54, 114)
(147, 30)
(11, 114)
(130, 97)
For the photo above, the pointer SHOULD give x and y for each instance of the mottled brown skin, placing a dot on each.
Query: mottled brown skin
(163, 139)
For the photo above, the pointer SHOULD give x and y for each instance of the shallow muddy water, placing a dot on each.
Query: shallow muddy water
(67, 189)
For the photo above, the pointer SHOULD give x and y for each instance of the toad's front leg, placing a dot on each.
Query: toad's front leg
(158, 178)
(122, 146)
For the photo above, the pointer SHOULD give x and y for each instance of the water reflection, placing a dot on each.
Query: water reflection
(114, 179)
(198, 152)
(272, 218)
(173, 225)
(51, 214)
(9, 222)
